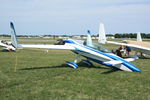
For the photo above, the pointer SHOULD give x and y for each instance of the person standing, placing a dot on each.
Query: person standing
(128, 49)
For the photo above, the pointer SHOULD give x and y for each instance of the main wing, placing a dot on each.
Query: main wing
(64, 47)
(132, 46)
(16, 45)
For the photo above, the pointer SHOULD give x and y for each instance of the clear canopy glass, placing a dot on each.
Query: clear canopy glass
(98, 47)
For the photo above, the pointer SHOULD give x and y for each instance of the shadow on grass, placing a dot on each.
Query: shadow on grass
(80, 64)
(143, 57)
(45, 67)
(111, 71)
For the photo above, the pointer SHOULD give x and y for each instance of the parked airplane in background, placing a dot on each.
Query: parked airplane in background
(7, 46)
(138, 46)
(88, 49)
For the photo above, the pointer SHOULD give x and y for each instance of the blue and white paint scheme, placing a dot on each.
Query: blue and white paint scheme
(88, 49)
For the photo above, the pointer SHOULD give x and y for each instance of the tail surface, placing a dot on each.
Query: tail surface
(139, 37)
(14, 39)
(102, 34)
(89, 39)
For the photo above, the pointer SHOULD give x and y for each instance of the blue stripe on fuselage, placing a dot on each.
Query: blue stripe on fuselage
(127, 64)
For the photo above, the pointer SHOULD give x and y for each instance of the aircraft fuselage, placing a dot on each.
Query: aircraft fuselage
(101, 57)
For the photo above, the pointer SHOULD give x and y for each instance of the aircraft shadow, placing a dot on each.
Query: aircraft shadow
(139, 57)
(111, 71)
(45, 67)
(144, 57)
(80, 64)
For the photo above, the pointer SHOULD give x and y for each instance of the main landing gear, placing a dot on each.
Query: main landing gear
(87, 62)
(74, 64)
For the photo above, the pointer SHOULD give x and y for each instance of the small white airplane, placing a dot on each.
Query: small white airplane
(7, 46)
(138, 46)
(88, 49)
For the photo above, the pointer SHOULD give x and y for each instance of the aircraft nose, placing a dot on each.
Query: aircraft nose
(137, 70)
(132, 67)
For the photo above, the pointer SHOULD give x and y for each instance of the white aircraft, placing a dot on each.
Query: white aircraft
(91, 51)
(7, 46)
(138, 46)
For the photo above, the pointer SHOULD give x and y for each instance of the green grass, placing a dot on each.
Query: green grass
(37, 75)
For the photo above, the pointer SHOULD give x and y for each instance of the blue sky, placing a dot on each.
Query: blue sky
(74, 16)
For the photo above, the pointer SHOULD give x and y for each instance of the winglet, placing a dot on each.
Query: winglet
(102, 34)
(89, 39)
(14, 39)
(139, 37)
(88, 31)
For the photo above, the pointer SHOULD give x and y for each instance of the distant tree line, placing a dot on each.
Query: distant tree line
(117, 35)
(131, 35)
(4, 35)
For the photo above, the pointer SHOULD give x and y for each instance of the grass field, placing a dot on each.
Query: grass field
(37, 75)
